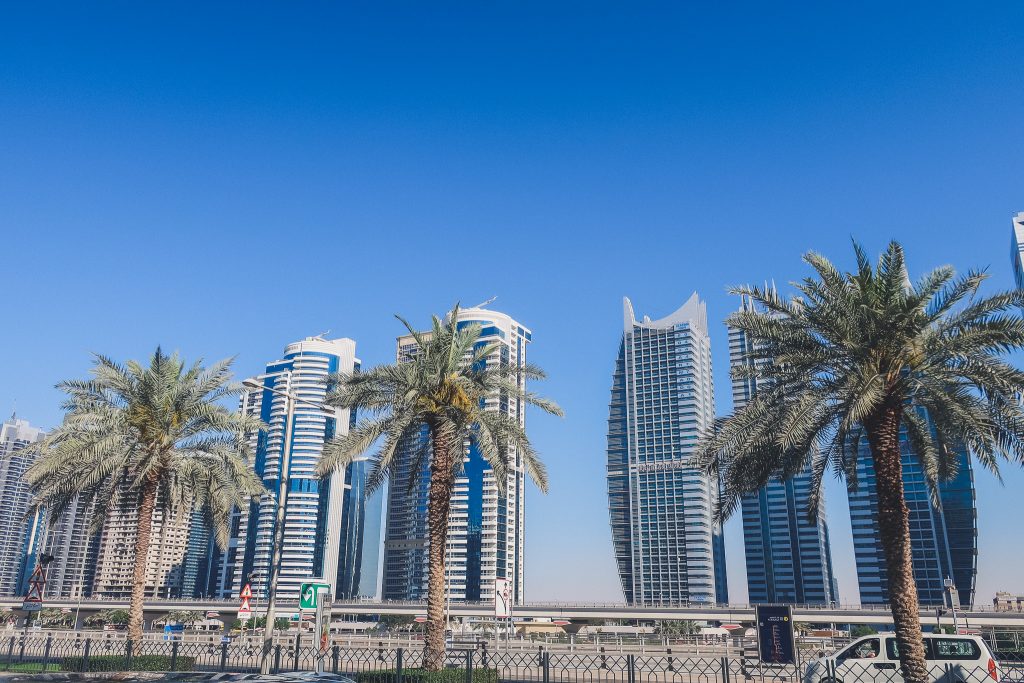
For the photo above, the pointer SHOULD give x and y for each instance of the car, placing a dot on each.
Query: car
(951, 659)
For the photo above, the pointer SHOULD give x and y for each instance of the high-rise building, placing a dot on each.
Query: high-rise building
(789, 558)
(325, 520)
(74, 547)
(485, 529)
(1017, 249)
(166, 559)
(944, 540)
(667, 547)
(15, 527)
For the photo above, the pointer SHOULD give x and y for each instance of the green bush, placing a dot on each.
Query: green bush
(456, 675)
(138, 663)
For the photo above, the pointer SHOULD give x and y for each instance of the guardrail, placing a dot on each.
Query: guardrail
(468, 665)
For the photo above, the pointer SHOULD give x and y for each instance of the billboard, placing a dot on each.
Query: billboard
(775, 641)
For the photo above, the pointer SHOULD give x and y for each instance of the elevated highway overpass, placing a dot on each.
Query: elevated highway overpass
(877, 615)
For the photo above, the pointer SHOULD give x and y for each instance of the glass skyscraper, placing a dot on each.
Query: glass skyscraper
(944, 540)
(789, 558)
(1017, 249)
(16, 528)
(485, 529)
(324, 520)
(667, 548)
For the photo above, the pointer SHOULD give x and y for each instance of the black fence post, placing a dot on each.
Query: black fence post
(335, 651)
(174, 655)
(725, 669)
(630, 668)
(298, 646)
(604, 659)
(380, 651)
(485, 653)
(85, 654)
(398, 666)
(546, 663)
(277, 658)
(224, 655)
(128, 648)
(21, 650)
(469, 666)
(46, 652)
(671, 661)
(10, 653)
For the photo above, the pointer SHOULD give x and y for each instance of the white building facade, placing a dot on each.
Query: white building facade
(1017, 249)
(324, 519)
(485, 529)
(15, 528)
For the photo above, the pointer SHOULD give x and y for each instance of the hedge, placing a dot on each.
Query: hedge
(138, 663)
(456, 675)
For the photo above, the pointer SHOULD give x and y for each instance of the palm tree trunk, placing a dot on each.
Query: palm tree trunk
(883, 432)
(145, 529)
(442, 480)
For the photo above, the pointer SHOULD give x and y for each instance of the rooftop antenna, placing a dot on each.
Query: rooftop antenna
(323, 335)
(487, 303)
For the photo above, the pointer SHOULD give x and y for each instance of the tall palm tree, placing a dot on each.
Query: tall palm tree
(443, 387)
(156, 437)
(859, 357)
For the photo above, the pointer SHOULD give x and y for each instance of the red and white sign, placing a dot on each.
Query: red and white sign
(245, 610)
(34, 600)
(420, 619)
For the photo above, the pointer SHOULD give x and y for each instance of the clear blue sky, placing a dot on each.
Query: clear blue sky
(225, 179)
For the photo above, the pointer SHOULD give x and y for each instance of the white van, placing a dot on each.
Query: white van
(875, 658)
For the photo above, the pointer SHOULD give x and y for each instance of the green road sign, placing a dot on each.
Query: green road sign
(308, 594)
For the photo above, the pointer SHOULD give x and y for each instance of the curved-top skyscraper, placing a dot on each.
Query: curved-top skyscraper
(666, 546)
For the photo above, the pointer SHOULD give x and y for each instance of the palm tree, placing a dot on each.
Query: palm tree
(187, 618)
(677, 628)
(442, 388)
(152, 437)
(117, 617)
(864, 356)
(54, 617)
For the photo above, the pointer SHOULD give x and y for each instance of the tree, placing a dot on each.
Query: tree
(52, 616)
(7, 616)
(442, 388)
(117, 617)
(677, 628)
(861, 630)
(863, 357)
(187, 618)
(153, 437)
(394, 622)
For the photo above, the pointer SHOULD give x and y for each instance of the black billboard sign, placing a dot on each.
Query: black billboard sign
(775, 641)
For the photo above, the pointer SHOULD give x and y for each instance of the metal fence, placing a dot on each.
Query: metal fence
(30, 653)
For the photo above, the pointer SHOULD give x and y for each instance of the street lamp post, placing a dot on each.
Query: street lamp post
(282, 503)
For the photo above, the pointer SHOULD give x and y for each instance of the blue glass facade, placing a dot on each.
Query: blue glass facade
(667, 549)
(788, 556)
(944, 540)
